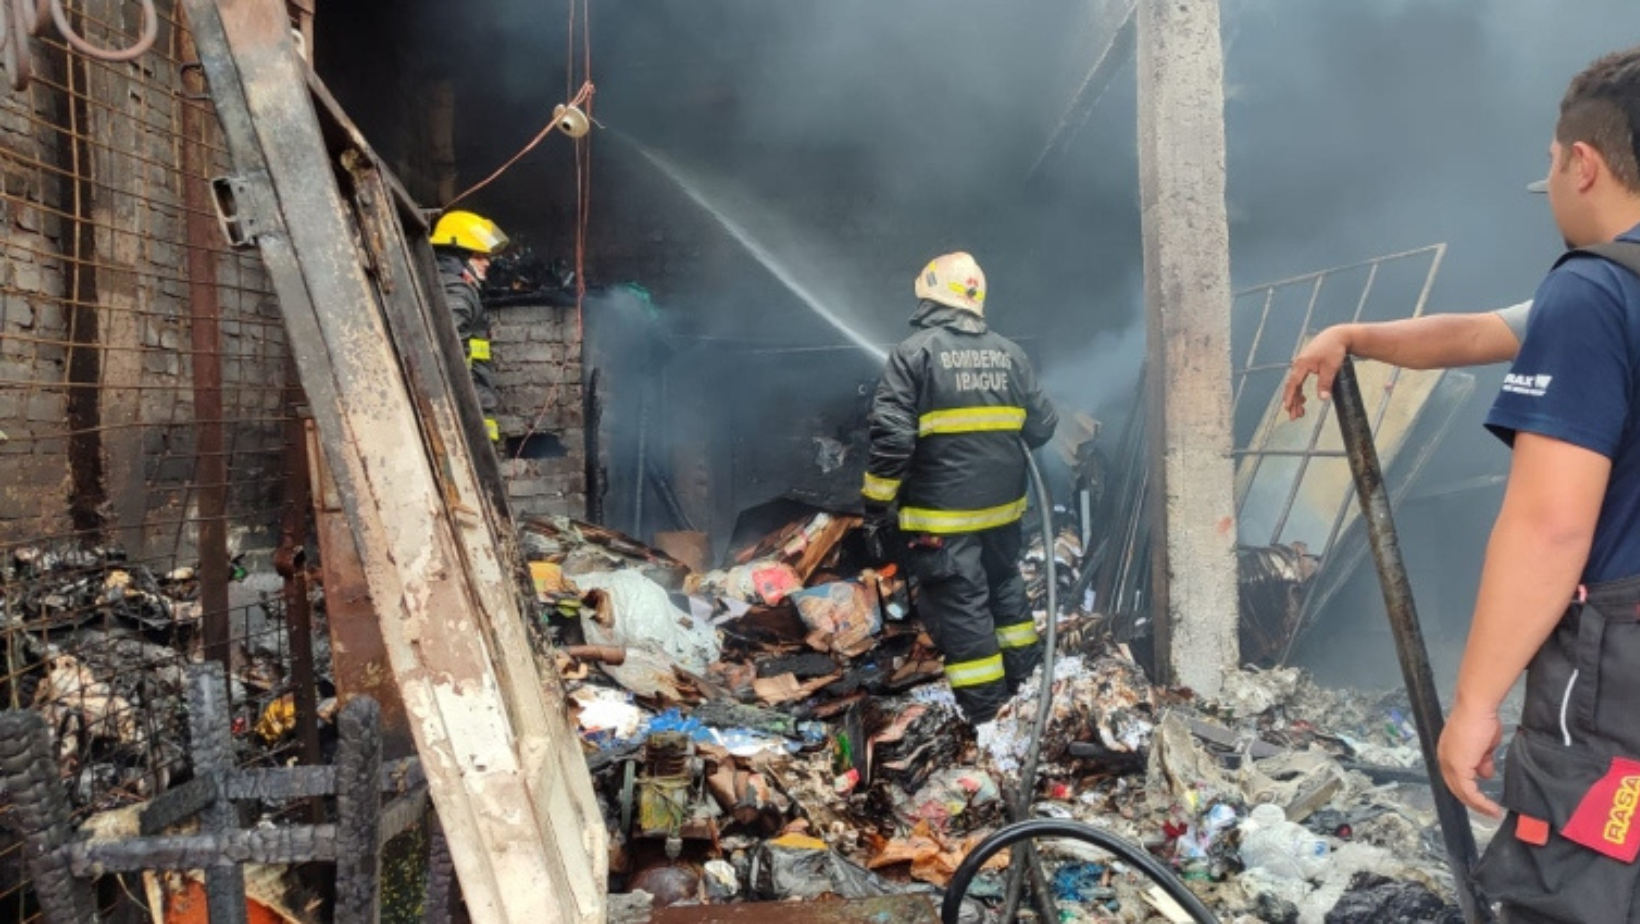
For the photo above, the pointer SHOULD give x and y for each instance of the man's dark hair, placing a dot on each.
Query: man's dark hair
(1601, 108)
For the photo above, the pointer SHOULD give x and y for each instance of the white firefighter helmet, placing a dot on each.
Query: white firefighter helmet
(953, 279)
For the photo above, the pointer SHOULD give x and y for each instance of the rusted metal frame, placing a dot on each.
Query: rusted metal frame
(592, 414)
(1304, 456)
(1456, 833)
(83, 366)
(1298, 480)
(1314, 598)
(1261, 436)
(290, 560)
(210, 464)
(1417, 310)
(1241, 374)
(69, 260)
(1310, 451)
(1269, 289)
(1307, 610)
(498, 778)
(105, 349)
(1333, 270)
(112, 111)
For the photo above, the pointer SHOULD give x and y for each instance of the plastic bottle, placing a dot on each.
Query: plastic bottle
(1271, 843)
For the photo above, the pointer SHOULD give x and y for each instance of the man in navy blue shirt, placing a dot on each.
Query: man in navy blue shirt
(1568, 531)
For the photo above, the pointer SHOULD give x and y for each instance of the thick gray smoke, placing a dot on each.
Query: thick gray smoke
(888, 132)
(861, 137)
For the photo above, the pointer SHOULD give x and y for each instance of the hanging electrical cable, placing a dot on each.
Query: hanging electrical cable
(583, 156)
(574, 119)
(579, 104)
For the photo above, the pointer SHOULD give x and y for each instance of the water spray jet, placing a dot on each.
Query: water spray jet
(762, 254)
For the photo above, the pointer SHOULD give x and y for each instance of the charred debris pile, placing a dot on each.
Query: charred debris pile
(778, 728)
(98, 644)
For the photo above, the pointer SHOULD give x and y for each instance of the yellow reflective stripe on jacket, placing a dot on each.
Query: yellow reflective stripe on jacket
(492, 429)
(879, 489)
(478, 349)
(1018, 635)
(974, 673)
(971, 420)
(921, 520)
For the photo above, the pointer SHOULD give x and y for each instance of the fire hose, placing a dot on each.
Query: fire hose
(1133, 854)
(1019, 807)
(1023, 829)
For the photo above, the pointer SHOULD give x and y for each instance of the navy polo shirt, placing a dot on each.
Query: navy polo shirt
(1577, 379)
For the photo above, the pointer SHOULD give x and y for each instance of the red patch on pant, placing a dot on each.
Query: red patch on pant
(1605, 820)
(1529, 830)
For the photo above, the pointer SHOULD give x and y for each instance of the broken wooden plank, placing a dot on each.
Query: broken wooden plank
(503, 769)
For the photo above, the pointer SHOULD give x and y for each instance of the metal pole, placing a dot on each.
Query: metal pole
(210, 447)
(1409, 637)
(1186, 237)
(641, 466)
(290, 560)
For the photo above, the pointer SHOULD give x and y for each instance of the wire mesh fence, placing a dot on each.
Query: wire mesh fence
(148, 439)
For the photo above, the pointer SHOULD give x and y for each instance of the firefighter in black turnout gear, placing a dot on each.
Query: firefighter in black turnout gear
(952, 404)
(464, 243)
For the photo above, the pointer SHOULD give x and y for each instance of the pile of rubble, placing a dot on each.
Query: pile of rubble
(779, 728)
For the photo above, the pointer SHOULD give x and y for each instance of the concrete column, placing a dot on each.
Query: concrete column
(1187, 299)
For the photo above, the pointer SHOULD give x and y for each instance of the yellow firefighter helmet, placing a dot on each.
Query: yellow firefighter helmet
(469, 232)
(955, 280)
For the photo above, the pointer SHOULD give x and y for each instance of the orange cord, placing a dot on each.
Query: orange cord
(582, 99)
